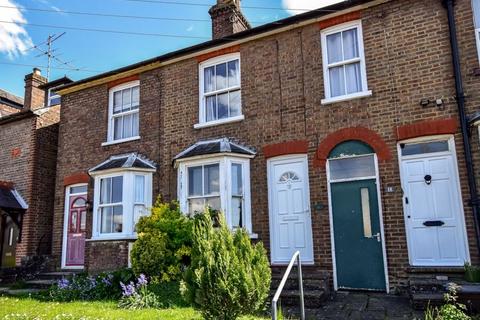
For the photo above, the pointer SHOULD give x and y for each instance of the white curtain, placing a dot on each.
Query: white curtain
(135, 125)
(139, 189)
(334, 47)
(353, 78)
(211, 108)
(337, 81)
(209, 74)
(350, 44)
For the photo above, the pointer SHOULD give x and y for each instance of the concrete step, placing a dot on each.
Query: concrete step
(308, 284)
(312, 299)
(308, 272)
(420, 301)
(55, 275)
(39, 284)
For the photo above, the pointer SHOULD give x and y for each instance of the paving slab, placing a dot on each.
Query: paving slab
(361, 306)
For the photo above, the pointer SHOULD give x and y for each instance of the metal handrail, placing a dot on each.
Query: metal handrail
(296, 256)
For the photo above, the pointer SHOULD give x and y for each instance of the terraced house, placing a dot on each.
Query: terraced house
(336, 132)
(28, 156)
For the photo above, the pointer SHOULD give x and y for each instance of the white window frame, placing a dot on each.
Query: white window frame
(363, 70)
(110, 132)
(225, 172)
(128, 202)
(202, 121)
(50, 98)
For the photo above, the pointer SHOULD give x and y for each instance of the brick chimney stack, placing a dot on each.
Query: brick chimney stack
(227, 18)
(34, 96)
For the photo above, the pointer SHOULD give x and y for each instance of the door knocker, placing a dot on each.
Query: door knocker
(428, 179)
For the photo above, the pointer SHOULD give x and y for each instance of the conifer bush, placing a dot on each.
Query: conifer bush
(228, 276)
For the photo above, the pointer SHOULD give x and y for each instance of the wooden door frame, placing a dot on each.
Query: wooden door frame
(270, 161)
(453, 152)
(380, 218)
(66, 217)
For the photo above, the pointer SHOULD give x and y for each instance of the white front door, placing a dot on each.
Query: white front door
(289, 204)
(432, 202)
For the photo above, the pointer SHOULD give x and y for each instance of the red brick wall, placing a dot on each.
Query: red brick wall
(16, 154)
(407, 57)
(98, 255)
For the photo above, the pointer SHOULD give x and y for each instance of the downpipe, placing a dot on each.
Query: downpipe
(460, 97)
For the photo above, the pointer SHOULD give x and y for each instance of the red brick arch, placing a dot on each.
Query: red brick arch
(356, 133)
(79, 177)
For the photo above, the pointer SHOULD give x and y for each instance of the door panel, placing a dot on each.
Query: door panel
(436, 200)
(359, 259)
(290, 213)
(9, 242)
(75, 254)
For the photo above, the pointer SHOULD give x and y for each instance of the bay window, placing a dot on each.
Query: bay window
(344, 63)
(220, 90)
(120, 199)
(124, 104)
(220, 182)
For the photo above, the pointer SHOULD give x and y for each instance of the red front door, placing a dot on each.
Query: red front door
(77, 224)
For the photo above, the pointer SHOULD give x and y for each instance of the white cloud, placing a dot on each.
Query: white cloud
(14, 39)
(306, 5)
(190, 28)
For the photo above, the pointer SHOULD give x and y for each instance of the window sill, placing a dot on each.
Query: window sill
(253, 235)
(347, 97)
(107, 143)
(113, 238)
(218, 122)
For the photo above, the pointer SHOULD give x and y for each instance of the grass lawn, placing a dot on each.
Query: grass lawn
(27, 308)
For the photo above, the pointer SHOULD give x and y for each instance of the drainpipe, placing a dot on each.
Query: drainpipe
(460, 97)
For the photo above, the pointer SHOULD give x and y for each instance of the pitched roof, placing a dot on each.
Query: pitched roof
(10, 99)
(223, 145)
(10, 199)
(295, 20)
(126, 161)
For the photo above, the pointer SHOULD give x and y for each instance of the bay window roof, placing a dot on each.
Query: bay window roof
(125, 161)
(223, 145)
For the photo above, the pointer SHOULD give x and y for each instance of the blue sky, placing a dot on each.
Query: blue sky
(100, 52)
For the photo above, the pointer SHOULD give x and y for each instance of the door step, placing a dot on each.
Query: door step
(316, 286)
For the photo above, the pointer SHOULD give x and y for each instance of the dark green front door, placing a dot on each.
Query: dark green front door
(358, 245)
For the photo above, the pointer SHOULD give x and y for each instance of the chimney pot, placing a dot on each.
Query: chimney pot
(227, 18)
(34, 97)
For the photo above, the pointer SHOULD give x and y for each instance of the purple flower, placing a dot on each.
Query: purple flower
(106, 281)
(128, 290)
(142, 280)
(63, 283)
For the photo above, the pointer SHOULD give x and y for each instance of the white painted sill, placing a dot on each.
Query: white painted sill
(347, 97)
(108, 143)
(113, 238)
(218, 122)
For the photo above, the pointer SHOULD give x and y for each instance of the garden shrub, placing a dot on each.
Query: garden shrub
(105, 286)
(228, 276)
(164, 242)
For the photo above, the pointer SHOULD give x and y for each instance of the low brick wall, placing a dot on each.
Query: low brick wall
(103, 256)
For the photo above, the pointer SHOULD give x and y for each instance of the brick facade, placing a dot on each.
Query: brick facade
(28, 159)
(408, 59)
